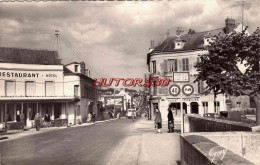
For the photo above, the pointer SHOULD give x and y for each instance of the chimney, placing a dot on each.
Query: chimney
(87, 72)
(191, 31)
(179, 31)
(230, 25)
(82, 67)
(152, 46)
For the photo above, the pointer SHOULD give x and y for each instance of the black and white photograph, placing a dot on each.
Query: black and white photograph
(99, 82)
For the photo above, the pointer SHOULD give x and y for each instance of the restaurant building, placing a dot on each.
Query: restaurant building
(34, 81)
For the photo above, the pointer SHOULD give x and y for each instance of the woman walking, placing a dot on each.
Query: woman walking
(158, 120)
(170, 120)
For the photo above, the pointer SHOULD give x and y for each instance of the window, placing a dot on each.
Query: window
(49, 88)
(200, 87)
(9, 88)
(205, 107)
(216, 107)
(185, 64)
(154, 66)
(173, 65)
(76, 90)
(76, 68)
(154, 88)
(30, 88)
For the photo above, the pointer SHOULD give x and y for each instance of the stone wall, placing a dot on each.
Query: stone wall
(197, 149)
(196, 123)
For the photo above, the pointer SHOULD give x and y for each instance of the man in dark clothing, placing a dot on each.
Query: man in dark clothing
(37, 120)
(170, 121)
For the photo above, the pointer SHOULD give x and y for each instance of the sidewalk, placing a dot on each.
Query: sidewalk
(14, 134)
(144, 147)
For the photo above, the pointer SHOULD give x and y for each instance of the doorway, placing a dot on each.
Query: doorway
(194, 107)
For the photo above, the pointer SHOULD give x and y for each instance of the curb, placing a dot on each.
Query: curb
(4, 137)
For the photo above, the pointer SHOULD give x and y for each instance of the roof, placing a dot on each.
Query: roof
(72, 63)
(192, 41)
(29, 56)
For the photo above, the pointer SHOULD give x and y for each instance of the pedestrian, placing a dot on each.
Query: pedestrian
(47, 120)
(18, 118)
(133, 115)
(89, 117)
(158, 120)
(22, 120)
(37, 120)
(118, 115)
(170, 120)
(94, 117)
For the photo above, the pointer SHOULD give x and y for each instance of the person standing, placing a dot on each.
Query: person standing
(170, 120)
(133, 116)
(37, 120)
(158, 120)
(22, 120)
(89, 118)
(94, 117)
(18, 118)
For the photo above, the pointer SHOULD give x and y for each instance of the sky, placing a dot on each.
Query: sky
(113, 38)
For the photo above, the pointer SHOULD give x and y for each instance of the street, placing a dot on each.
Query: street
(113, 142)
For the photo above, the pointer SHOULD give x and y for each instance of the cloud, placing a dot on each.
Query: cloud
(113, 38)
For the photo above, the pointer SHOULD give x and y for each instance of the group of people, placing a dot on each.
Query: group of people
(158, 120)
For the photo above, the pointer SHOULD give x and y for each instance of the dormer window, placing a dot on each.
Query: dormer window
(76, 68)
(208, 40)
(179, 43)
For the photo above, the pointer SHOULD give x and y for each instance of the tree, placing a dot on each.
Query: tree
(220, 68)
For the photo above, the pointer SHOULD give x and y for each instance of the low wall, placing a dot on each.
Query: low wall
(197, 149)
(197, 123)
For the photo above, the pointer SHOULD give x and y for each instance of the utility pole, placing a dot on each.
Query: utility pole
(57, 33)
(242, 14)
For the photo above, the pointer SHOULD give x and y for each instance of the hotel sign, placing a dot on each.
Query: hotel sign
(25, 74)
(181, 77)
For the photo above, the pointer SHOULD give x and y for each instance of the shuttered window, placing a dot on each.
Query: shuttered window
(185, 64)
(172, 65)
(49, 88)
(10, 88)
(205, 107)
(30, 88)
(153, 66)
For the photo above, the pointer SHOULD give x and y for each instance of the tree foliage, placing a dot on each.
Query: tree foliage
(219, 68)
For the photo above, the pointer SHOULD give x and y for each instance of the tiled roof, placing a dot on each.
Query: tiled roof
(29, 56)
(192, 41)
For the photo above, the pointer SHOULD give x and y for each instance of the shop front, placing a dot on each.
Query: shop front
(52, 110)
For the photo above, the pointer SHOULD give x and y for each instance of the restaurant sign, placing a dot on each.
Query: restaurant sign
(25, 74)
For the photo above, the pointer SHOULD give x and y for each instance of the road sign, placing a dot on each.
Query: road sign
(187, 89)
(181, 77)
(174, 90)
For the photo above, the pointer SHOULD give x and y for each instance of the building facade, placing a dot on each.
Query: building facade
(175, 59)
(35, 81)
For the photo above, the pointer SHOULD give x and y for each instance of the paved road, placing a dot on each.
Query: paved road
(88, 145)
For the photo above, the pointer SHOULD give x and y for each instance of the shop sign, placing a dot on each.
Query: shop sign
(181, 77)
(187, 89)
(191, 99)
(174, 90)
(174, 100)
